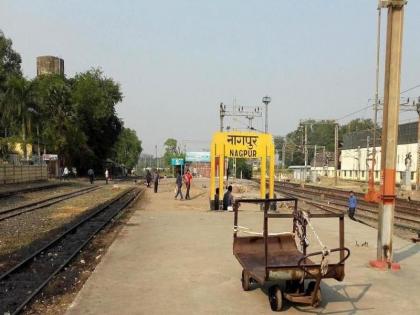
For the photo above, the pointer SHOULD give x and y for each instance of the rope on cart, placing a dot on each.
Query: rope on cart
(244, 229)
(324, 249)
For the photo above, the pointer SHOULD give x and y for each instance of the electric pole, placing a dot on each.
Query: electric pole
(283, 155)
(418, 146)
(390, 130)
(249, 112)
(336, 153)
(306, 151)
(157, 165)
(372, 195)
(375, 118)
(266, 100)
(222, 115)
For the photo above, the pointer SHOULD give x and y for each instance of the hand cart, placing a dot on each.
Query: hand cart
(274, 260)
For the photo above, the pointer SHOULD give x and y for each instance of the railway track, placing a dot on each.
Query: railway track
(18, 210)
(20, 284)
(406, 217)
(29, 189)
(409, 207)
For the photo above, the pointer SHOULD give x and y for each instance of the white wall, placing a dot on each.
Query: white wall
(351, 168)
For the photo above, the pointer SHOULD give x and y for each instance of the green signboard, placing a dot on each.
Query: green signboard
(177, 162)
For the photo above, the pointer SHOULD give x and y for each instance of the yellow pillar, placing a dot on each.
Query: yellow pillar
(221, 168)
(212, 171)
(263, 172)
(271, 178)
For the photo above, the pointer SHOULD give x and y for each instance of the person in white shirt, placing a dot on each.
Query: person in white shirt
(106, 175)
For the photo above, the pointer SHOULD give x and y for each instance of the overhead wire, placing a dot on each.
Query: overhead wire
(366, 107)
(412, 88)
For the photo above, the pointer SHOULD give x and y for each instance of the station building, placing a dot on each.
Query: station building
(356, 154)
(357, 151)
(198, 163)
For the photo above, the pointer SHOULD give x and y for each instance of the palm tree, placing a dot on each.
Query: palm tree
(17, 100)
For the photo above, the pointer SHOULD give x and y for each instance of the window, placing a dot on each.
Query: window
(363, 174)
(345, 173)
(412, 175)
(351, 173)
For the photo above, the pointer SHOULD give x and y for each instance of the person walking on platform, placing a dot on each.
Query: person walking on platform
(187, 180)
(91, 175)
(148, 178)
(106, 175)
(228, 199)
(352, 203)
(156, 181)
(179, 186)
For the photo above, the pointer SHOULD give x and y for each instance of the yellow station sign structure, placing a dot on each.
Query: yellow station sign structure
(244, 145)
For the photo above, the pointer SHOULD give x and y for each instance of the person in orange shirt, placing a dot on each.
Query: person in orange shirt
(187, 180)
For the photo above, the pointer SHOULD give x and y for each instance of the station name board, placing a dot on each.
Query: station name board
(241, 146)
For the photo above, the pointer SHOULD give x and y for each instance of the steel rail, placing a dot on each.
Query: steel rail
(85, 229)
(15, 211)
(30, 189)
(413, 225)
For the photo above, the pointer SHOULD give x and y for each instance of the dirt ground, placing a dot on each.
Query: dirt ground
(175, 257)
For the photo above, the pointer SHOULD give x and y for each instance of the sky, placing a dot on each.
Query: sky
(176, 61)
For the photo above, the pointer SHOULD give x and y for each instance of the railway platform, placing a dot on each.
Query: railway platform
(175, 257)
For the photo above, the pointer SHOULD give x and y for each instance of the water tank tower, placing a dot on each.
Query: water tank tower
(49, 65)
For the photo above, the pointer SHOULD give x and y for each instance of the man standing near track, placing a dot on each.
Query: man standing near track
(187, 180)
(91, 175)
(106, 175)
(352, 203)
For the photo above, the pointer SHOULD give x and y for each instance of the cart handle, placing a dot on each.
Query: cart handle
(342, 260)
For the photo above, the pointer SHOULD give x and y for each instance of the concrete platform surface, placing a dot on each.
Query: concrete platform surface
(175, 257)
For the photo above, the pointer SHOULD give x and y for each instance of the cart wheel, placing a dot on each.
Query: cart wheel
(246, 282)
(275, 296)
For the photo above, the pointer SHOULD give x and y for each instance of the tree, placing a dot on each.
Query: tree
(19, 100)
(74, 118)
(357, 124)
(172, 151)
(10, 66)
(60, 130)
(127, 149)
(319, 133)
(243, 167)
(94, 97)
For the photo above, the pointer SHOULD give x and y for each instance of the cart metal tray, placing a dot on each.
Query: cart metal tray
(276, 261)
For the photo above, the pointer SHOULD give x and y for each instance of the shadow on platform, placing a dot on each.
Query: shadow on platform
(345, 297)
(406, 252)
